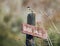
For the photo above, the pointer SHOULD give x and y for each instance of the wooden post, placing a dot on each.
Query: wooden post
(30, 21)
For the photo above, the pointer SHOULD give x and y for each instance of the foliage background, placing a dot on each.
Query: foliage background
(14, 12)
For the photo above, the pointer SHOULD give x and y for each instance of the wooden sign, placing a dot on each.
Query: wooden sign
(34, 31)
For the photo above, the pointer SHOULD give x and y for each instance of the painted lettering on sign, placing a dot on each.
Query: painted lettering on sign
(35, 31)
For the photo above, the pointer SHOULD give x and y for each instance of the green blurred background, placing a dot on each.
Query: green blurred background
(12, 15)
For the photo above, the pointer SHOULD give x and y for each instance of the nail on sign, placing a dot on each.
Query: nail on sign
(34, 31)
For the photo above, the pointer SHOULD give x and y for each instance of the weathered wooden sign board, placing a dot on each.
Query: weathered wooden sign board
(34, 31)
